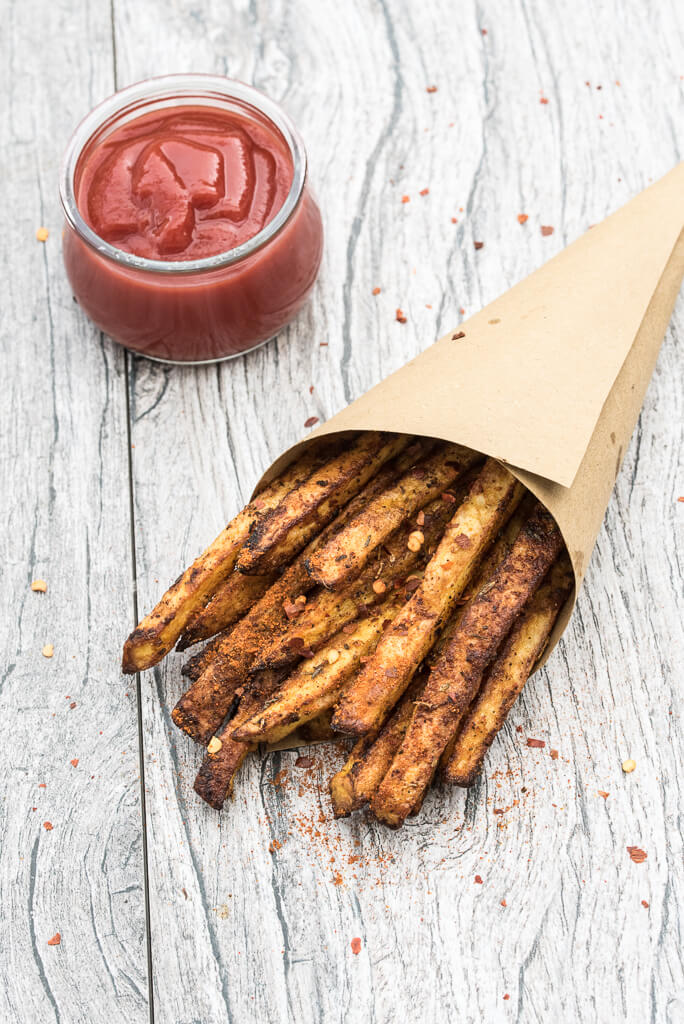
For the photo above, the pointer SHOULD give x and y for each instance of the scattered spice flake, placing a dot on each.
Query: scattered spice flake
(503, 903)
(478, 245)
(431, 88)
(74, 762)
(406, 199)
(401, 317)
(645, 904)
(554, 754)
(184, 891)
(355, 946)
(424, 191)
(311, 421)
(483, 31)
(47, 825)
(72, 705)
(602, 792)
(274, 845)
(478, 880)
(40, 586)
(681, 498)
(543, 100)
(458, 335)
(546, 229)
(337, 878)
(454, 220)
(55, 940)
(48, 650)
(304, 762)
(41, 785)
(376, 291)
(535, 743)
(506, 995)
(523, 218)
(42, 234)
(637, 854)
(311, 389)
(498, 810)
(629, 765)
(323, 344)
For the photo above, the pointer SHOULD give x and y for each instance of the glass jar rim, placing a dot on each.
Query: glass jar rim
(184, 87)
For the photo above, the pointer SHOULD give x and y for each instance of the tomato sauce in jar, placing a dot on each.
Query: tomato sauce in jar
(191, 235)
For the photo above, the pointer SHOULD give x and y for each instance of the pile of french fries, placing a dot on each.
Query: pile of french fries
(391, 589)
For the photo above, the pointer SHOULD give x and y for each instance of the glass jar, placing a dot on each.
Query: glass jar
(194, 310)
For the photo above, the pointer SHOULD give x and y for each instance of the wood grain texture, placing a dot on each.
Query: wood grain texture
(238, 932)
(64, 466)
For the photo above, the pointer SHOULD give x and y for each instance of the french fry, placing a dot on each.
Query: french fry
(370, 759)
(493, 496)
(202, 709)
(280, 534)
(507, 675)
(156, 634)
(453, 682)
(194, 667)
(232, 600)
(316, 684)
(328, 611)
(224, 756)
(349, 551)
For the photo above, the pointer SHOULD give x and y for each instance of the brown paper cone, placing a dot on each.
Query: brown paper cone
(550, 377)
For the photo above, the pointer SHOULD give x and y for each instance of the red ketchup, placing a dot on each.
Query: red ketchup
(195, 236)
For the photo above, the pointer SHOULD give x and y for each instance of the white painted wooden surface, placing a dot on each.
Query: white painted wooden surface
(238, 933)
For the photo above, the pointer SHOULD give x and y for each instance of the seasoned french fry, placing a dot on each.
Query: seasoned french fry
(155, 635)
(194, 667)
(202, 709)
(317, 683)
(279, 535)
(232, 600)
(349, 551)
(328, 611)
(359, 780)
(453, 682)
(224, 756)
(508, 675)
(493, 496)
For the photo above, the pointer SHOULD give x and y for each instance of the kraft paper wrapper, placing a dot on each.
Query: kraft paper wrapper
(550, 377)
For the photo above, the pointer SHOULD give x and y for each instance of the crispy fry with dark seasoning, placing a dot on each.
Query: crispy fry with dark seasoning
(492, 498)
(279, 535)
(232, 600)
(328, 611)
(224, 756)
(317, 682)
(156, 634)
(454, 681)
(349, 551)
(200, 710)
(370, 763)
(508, 674)
(194, 667)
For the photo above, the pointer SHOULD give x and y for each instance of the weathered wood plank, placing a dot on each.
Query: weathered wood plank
(238, 931)
(64, 466)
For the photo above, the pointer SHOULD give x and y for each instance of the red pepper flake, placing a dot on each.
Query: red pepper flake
(47, 825)
(503, 903)
(478, 880)
(424, 191)
(72, 705)
(274, 845)
(401, 318)
(349, 628)
(458, 335)
(523, 218)
(55, 940)
(506, 995)
(546, 229)
(478, 245)
(638, 855)
(518, 728)
(292, 609)
(311, 421)
(454, 220)
(543, 100)
(602, 792)
(337, 878)
(406, 199)
(535, 743)
(483, 31)
(431, 88)
(376, 291)
(74, 762)
(323, 344)
(645, 904)
(311, 391)
(304, 762)
(449, 498)
(681, 498)
(554, 754)
(498, 810)
(41, 785)
(356, 946)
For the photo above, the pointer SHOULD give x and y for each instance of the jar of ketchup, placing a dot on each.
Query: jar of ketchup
(191, 234)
